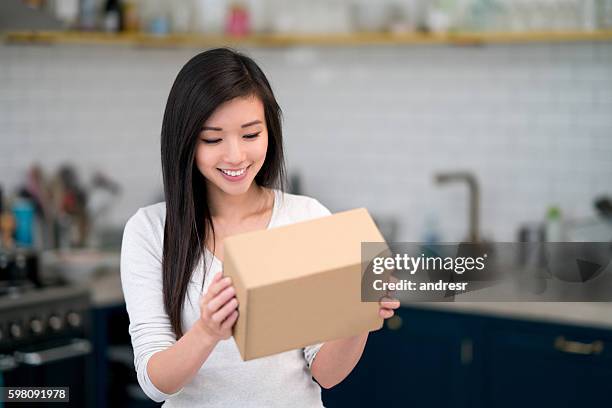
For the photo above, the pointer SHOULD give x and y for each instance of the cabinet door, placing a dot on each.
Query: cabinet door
(531, 365)
(358, 388)
(419, 359)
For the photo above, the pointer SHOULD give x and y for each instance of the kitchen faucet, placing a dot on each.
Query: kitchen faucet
(474, 191)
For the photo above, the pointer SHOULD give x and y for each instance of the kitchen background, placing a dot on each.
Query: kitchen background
(365, 125)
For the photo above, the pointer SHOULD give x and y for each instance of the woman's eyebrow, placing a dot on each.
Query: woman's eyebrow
(254, 122)
(251, 123)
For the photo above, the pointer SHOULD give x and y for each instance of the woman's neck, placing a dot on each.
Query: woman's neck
(229, 207)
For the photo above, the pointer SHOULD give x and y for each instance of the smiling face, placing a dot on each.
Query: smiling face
(232, 145)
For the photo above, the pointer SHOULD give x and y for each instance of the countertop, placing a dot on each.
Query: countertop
(588, 314)
(106, 291)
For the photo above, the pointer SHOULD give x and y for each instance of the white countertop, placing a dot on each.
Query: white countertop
(590, 314)
(106, 291)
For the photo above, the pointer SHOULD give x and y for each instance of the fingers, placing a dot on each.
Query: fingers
(218, 307)
(221, 299)
(217, 286)
(229, 322)
(225, 311)
(389, 303)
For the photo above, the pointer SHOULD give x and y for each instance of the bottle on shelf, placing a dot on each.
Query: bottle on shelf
(130, 18)
(237, 22)
(113, 16)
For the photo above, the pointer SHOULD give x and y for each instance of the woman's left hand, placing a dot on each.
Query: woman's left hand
(387, 305)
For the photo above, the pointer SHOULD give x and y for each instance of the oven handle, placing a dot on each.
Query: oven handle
(77, 347)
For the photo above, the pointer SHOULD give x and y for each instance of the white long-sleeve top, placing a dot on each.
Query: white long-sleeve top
(224, 380)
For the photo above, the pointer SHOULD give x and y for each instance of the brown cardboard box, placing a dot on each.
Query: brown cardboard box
(300, 284)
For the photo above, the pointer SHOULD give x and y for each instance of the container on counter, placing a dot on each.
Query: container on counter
(554, 225)
(23, 210)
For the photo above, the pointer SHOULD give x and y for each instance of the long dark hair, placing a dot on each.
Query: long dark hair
(207, 80)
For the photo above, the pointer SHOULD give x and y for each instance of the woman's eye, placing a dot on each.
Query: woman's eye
(211, 141)
(252, 135)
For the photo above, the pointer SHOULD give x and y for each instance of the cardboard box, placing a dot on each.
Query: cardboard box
(300, 284)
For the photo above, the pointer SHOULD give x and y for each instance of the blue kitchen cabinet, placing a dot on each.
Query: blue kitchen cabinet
(357, 390)
(437, 358)
(422, 358)
(530, 364)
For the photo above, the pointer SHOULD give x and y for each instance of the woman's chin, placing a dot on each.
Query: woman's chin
(234, 188)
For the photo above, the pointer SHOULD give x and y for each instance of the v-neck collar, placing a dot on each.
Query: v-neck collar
(271, 223)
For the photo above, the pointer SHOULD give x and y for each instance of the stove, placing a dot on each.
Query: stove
(45, 336)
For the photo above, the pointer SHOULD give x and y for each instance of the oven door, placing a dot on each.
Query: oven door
(62, 363)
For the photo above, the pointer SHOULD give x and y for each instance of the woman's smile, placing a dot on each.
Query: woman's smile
(234, 175)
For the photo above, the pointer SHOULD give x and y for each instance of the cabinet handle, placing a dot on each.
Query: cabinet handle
(467, 351)
(576, 347)
(76, 348)
(394, 323)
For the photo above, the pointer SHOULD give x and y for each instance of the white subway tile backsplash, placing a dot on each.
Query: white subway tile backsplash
(533, 122)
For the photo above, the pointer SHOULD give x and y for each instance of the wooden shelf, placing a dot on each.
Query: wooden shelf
(286, 40)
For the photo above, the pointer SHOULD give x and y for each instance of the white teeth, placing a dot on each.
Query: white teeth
(233, 173)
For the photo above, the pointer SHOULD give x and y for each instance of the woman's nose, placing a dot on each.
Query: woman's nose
(234, 153)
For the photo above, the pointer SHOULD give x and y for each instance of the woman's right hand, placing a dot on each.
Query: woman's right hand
(219, 308)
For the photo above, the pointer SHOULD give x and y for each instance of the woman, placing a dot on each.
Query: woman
(223, 172)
